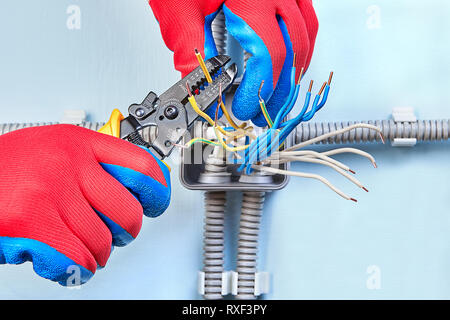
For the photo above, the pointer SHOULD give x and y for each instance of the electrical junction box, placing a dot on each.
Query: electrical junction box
(194, 176)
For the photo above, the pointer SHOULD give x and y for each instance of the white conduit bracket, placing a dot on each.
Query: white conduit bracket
(201, 283)
(230, 283)
(226, 283)
(400, 115)
(262, 283)
(74, 117)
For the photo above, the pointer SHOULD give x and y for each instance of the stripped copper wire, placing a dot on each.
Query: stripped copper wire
(301, 75)
(310, 85)
(321, 89)
(330, 77)
(259, 91)
(188, 89)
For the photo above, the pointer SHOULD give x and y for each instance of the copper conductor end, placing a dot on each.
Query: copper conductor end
(259, 91)
(330, 78)
(310, 85)
(301, 75)
(188, 89)
(321, 89)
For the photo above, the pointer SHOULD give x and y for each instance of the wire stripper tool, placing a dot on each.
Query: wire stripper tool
(171, 112)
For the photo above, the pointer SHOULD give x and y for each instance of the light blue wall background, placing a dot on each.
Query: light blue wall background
(314, 244)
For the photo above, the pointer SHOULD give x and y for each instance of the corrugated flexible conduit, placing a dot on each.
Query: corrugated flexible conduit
(422, 130)
(8, 127)
(247, 258)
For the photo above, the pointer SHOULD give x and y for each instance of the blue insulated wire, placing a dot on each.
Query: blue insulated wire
(293, 102)
(255, 152)
(305, 107)
(250, 150)
(313, 110)
(278, 118)
(286, 131)
(325, 97)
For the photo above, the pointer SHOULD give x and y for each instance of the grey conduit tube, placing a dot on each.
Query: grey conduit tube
(148, 134)
(422, 130)
(252, 206)
(219, 32)
(213, 234)
(9, 127)
(213, 243)
(215, 201)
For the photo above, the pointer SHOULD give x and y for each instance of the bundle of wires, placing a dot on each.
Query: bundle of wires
(278, 131)
(263, 153)
(294, 154)
(236, 132)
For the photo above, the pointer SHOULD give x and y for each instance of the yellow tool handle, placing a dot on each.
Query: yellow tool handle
(112, 127)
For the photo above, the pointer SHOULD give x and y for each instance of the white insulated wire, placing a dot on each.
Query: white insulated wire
(323, 158)
(325, 163)
(351, 150)
(308, 154)
(303, 175)
(335, 133)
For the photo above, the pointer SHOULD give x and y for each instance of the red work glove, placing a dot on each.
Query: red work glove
(270, 30)
(68, 195)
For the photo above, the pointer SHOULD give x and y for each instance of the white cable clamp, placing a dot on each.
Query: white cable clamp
(405, 114)
(262, 283)
(74, 117)
(230, 283)
(201, 283)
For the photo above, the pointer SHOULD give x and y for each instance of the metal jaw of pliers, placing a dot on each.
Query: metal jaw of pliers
(171, 112)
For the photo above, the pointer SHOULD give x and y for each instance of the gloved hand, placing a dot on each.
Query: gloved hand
(69, 194)
(270, 30)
